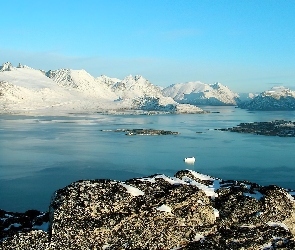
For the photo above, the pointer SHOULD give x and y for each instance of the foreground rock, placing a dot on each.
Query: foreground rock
(274, 128)
(188, 211)
(13, 223)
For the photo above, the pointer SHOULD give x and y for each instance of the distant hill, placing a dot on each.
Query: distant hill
(198, 93)
(277, 98)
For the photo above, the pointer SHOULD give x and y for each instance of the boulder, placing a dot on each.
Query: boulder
(188, 211)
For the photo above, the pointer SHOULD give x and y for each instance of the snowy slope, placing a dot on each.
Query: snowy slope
(108, 81)
(82, 81)
(23, 89)
(24, 76)
(277, 98)
(141, 94)
(137, 86)
(138, 93)
(198, 93)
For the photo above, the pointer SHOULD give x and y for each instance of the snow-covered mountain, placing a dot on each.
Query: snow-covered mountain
(24, 89)
(137, 86)
(277, 98)
(81, 81)
(198, 93)
(138, 93)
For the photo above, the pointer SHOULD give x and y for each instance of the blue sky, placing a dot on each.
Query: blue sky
(248, 45)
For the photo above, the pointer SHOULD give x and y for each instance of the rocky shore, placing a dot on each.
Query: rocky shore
(143, 131)
(187, 211)
(280, 128)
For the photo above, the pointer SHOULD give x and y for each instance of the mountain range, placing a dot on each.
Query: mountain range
(24, 89)
(277, 98)
(198, 93)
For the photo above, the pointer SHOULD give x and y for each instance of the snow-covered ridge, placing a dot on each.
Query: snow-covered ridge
(6, 67)
(24, 89)
(81, 81)
(278, 92)
(136, 86)
(277, 98)
(198, 93)
(9, 67)
(66, 90)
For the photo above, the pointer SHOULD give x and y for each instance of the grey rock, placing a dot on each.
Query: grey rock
(188, 211)
(280, 128)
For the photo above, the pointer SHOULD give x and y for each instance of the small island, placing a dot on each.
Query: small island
(143, 131)
(280, 128)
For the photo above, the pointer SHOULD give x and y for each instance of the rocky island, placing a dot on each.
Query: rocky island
(188, 211)
(274, 128)
(141, 131)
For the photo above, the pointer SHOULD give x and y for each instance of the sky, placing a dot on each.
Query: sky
(247, 45)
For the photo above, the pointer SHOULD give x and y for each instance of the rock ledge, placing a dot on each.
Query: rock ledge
(187, 211)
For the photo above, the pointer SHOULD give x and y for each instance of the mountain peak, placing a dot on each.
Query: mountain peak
(198, 93)
(278, 91)
(6, 67)
(277, 98)
(218, 85)
(138, 77)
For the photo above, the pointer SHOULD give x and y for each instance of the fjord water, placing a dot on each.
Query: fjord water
(40, 154)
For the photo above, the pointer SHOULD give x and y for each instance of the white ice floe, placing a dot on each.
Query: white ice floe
(277, 224)
(190, 160)
(164, 208)
(132, 190)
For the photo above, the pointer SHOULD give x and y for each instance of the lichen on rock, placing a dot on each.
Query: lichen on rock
(187, 211)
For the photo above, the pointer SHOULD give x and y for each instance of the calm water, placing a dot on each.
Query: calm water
(39, 155)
